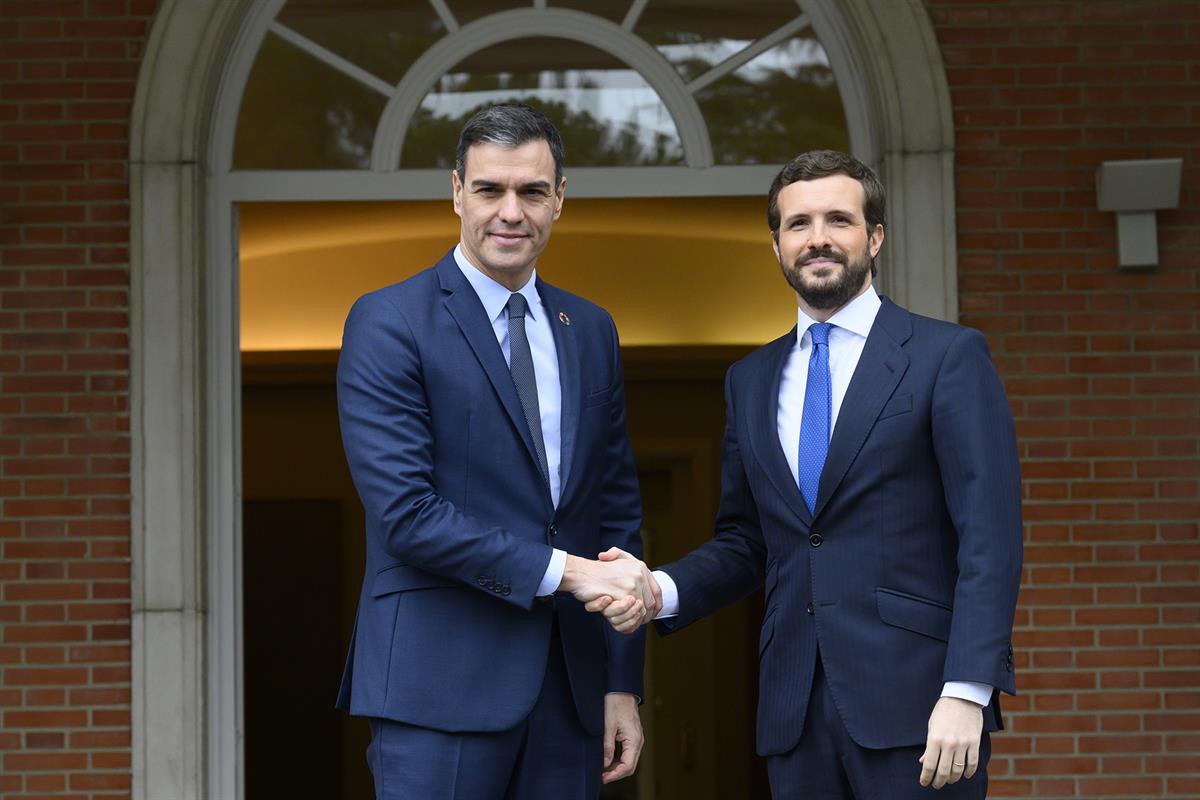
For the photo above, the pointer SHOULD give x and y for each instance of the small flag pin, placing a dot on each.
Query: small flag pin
(563, 318)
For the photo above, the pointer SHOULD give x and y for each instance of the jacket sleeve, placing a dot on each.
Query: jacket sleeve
(729, 566)
(386, 431)
(974, 442)
(620, 526)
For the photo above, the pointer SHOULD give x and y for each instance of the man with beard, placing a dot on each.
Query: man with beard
(870, 476)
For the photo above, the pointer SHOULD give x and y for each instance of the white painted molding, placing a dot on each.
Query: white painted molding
(522, 23)
(330, 58)
(186, 706)
(749, 53)
(897, 101)
(434, 184)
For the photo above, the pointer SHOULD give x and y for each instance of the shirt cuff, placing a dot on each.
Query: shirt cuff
(978, 693)
(554, 573)
(670, 595)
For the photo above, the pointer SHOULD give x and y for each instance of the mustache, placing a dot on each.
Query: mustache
(825, 253)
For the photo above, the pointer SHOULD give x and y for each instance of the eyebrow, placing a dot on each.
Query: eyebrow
(831, 212)
(483, 183)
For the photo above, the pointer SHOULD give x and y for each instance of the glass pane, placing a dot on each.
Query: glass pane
(382, 38)
(608, 114)
(696, 35)
(613, 10)
(470, 10)
(779, 104)
(299, 113)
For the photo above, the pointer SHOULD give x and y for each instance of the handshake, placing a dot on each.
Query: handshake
(618, 585)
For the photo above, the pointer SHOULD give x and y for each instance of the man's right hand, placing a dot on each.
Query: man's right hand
(617, 578)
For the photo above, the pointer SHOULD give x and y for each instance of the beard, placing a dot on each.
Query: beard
(828, 293)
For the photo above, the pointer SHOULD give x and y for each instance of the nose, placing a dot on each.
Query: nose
(818, 235)
(510, 211)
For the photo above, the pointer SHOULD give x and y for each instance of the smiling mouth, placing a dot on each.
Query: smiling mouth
(507, 238)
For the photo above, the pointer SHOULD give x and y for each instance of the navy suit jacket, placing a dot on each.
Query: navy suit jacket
(459, 520)
(910, 563)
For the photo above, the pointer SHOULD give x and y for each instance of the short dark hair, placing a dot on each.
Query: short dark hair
(821, 164)
(509, 125)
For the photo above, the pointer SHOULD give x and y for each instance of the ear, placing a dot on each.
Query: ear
(560, 195)
(775, 247)
(456, 191)
(876, 240)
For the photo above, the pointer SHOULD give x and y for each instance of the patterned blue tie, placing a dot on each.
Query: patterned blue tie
(818, 409)
(520, 364)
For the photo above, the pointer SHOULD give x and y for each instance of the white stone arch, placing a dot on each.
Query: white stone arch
(185, 381)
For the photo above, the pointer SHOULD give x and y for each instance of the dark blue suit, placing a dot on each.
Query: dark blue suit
(460, 522)
(906, 574)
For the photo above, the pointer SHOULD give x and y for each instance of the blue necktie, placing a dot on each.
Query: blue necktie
(520, 364)
(818, 409)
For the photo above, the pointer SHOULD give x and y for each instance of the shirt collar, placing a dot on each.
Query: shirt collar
(857, 316)
(493, 295)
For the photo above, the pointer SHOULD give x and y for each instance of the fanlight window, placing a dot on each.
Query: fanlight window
(385, 86)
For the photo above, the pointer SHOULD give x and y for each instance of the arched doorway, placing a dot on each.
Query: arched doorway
(186, 485)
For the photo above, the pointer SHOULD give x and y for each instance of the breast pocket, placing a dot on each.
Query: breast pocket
(900, 404)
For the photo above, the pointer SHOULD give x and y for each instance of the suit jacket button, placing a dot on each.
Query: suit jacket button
(815, 540)
(506, 591)
(552, 530)
(482, 581)
(809, 608)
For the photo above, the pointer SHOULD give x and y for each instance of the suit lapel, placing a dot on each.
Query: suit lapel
(880, 368)
(569, 377)
(464, 306)
(765, 427)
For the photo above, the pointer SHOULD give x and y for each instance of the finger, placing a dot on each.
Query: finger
(614, 608)
(958, 762)
(943, 769)
(972, 760)
(633, 614)
(610, 740)
(622, 767)
(929, 760)
(629, 626)
(599, 604)
(613, 553)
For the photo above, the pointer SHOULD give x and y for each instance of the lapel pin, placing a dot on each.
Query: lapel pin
(563, 318)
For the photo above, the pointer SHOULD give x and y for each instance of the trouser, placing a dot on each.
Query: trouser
(548, 755)
(829, 765)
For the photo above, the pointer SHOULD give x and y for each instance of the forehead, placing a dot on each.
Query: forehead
(818, 196)
(531, 161)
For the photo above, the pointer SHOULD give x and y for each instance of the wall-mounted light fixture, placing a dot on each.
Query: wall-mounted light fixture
(1135, 189)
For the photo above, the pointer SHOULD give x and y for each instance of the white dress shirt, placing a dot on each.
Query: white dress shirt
(852, 324)
(494, 297)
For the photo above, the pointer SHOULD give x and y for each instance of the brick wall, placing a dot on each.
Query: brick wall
(67, 76)
(1101, 369)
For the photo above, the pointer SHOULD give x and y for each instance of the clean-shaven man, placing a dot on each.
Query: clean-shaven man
(483, 417)
(870, 478)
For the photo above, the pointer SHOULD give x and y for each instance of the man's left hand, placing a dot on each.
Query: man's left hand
(952, 749)
(622, 736)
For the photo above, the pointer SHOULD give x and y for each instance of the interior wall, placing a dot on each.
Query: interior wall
(672, 271)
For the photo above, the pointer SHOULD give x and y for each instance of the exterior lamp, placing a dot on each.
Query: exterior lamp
(1135, 190)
